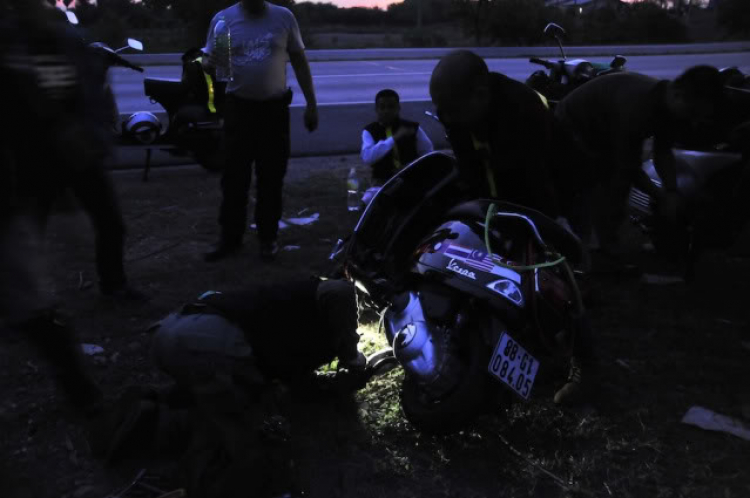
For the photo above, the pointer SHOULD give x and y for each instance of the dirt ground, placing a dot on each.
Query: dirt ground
(661, 349)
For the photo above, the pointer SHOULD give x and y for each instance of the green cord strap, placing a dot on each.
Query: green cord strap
(490, 213)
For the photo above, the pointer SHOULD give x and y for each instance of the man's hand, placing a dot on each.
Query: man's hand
(311, 117)
(404, 132)
(208, 62)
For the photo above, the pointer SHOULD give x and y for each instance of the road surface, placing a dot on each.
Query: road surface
(345, 92)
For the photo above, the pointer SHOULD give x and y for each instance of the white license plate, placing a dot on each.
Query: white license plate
(514, 366)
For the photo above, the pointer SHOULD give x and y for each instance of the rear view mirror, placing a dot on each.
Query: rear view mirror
(555, 30)
(618, 62)
(72, 18)
(135, 44)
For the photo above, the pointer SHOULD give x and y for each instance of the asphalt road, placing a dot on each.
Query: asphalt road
(345, 90)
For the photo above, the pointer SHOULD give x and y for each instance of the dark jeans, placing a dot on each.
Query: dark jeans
(94, 190)
(256, 132)
(26, 309)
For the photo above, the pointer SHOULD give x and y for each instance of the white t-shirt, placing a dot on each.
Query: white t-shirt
(260, 48)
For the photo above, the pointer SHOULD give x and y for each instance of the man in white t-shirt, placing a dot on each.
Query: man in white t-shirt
(263, 38)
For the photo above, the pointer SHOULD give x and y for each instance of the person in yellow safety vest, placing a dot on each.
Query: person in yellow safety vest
(390, 143)
(503, 135)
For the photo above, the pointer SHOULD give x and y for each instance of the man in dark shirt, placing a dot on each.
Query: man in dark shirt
(503, 135)
(611, 117)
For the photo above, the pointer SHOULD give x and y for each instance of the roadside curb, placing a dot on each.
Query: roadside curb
(486, 52)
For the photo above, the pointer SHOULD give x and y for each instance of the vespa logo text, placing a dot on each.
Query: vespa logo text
(453, 266)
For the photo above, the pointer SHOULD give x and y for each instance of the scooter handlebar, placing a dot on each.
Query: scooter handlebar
(541, 62)
(112, 58)
(118, 60)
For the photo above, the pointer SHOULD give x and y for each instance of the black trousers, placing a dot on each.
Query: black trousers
(96, 193)
(94, 190)
(256, 132)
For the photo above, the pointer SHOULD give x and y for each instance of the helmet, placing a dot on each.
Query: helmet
(143, 126)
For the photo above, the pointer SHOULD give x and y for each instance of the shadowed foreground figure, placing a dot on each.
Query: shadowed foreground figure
(503, 136)
(63, 139)
(54, 101)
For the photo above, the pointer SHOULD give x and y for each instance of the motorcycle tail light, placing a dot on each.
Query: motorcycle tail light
(509, 290)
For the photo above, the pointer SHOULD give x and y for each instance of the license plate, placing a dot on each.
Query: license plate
(514, 366)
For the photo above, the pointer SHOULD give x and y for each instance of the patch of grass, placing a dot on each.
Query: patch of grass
(677, 347)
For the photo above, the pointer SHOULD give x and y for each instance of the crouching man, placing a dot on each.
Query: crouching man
(225, 352)
(283, 331)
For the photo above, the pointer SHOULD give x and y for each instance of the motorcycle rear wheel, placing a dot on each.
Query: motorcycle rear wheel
(462, 405)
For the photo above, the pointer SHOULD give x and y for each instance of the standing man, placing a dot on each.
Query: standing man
(263, 37)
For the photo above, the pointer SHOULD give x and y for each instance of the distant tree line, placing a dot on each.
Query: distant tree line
(510, 22)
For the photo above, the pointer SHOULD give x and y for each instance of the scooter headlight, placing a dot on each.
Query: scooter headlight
(509, 290)
(143, 127)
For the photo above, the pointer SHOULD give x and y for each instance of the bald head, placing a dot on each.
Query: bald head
(455, 87)
(457, 72)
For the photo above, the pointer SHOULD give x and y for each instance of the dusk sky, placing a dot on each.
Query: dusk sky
(366, 3)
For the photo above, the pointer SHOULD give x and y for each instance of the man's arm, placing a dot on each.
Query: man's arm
(373, 152)
(424, 144)
(665, 164)
(304, 78)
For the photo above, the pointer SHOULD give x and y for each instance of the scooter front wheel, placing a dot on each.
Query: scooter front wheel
(464, 403)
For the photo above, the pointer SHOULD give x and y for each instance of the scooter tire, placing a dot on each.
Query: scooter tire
(465, 402)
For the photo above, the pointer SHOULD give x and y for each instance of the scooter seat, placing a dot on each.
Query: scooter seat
(551, 232)
(155, 87)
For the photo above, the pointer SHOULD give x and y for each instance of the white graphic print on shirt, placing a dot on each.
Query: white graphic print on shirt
(253, 51)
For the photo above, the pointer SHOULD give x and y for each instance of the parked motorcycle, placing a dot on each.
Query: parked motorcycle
(194, 107)
(713, 178)
(477, 295)
(561, 77)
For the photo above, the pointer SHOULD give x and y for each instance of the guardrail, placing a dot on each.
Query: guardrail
(486, 52)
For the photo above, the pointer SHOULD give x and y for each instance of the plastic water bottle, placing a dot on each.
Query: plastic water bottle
(223, 50)
(352, 188)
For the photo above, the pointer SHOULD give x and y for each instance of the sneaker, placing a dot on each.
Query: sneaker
(222, 251)
(573, 389)
(268, 250)
(358, 362)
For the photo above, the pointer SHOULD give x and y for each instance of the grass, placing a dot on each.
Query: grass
(661, 350)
